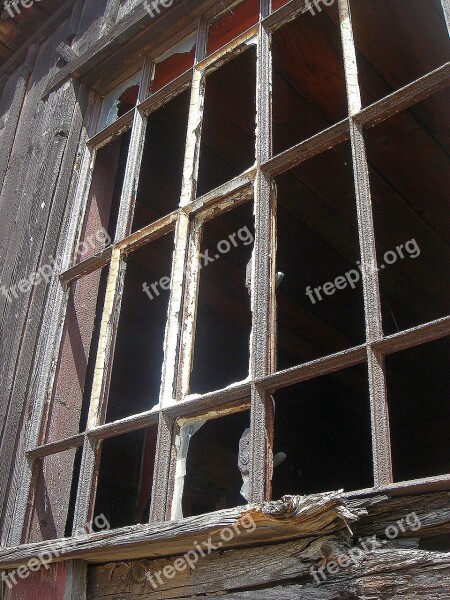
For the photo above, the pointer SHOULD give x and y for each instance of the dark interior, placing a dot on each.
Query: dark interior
(409, 157)
(162, 162)
(213, 479)
(125, 478)
(317, 242)
(222, 352)
(323, 427)
(397, 42)
(138, 356)
(418, 384)
(228, 132)
(308, 77)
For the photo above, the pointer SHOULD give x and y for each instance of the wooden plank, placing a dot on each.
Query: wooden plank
(293, 517)
(10, 109)
(43, 168)
(263, 337)
(374, 331)
(265, 573)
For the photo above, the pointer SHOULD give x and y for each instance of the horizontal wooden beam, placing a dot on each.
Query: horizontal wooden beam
(293, 517)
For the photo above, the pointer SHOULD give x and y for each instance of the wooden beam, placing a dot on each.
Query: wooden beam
(293, 517)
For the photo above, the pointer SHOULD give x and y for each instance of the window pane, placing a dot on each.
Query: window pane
(418, 384)
(72, 390)
(103, 203)
(308, 77)
(228, 132)
(213, 480)
(138, 355)
(223, 316)
(397, 42)
(53, 507)
(323, 428)
(320, 298)
(174, 62)
(125, 478)
(162, 162)
(410, 178)
(119, 101)
(232, 23)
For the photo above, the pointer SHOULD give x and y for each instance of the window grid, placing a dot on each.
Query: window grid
(256, 183)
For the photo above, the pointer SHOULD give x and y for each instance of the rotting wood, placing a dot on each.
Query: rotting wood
(269, 573)
(292, 517)
(381, 442)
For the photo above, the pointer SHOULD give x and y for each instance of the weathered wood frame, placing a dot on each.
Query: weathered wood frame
(257, 184)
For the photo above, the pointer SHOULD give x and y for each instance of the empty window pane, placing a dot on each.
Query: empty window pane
(213, 479)
(410, 178)
(308, 77)
(228, 132)
(51, 516)
(418, 384)
(223, 316)
(397, 42)
(320, 306)
(72, 390)
(162, 162)
(138, 356)
(323, 428)
(125, 478)
(104, 197)
(232, 23)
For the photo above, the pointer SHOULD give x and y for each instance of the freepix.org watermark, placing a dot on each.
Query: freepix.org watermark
(244, 236)
(14, 7)
(45, 558)
(409, 249)
(154, 7)
(331, 567)
(46, 272)
(191, 558)
(315, 6)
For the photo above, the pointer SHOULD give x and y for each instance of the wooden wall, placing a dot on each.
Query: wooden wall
(40, 155)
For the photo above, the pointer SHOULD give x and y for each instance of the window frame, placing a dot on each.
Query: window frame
(257, 184)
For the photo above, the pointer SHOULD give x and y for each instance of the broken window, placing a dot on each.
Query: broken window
(396, 43)
(174, 62)
(138, 355)
(52, 513)
(162, 162)
(119, 101)
(221, 354)
(308, 77)
(72, 392)
(320, 306)
(104, 197)
(228, 131)
(322, 426)
(125, 477)
(411, 211)
(208, 462)
(169, 333)
(418, 381)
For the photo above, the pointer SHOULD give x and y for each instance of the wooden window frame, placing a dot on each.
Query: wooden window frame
(257, 184)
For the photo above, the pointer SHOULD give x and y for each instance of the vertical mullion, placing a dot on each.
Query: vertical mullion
(261, 355)
(131, 179)
(374, 331)
(174, 354)
(446, 9)
(87, 480)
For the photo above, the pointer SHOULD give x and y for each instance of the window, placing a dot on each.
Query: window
(230, 295)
